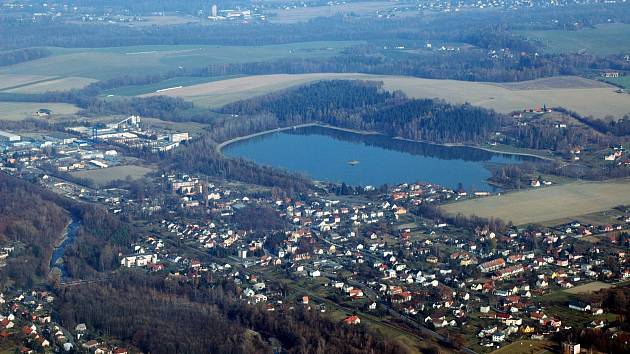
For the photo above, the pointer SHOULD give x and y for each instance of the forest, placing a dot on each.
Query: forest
(471, 64)
(615, 127)
(33, 220)
(366, 106)
(518, 58)
(17, 56)
(45, 32)
(214, 164)
(524, 59)
(179, 315)
(545, 136)
(101, 237)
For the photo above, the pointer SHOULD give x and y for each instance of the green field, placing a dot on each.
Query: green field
(621, 81)
(359, 8)
(105, 63)
(52, 84)
(602, 40)
(23, 110)
(194, 129)
(8, 81)
(549, 203)
(525, 347)
(135, 90)
(106, 175)
(588, 288)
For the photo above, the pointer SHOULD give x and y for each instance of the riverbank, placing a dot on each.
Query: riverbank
(69, 236)
(220, 146)
(64, 236)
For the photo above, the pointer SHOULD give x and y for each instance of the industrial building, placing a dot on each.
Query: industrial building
(9, 137)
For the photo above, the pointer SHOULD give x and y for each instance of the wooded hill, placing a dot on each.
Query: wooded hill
(33, 220)
(365, 106)
(177, 315)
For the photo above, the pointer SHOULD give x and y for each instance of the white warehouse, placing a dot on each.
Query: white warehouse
(10, 137)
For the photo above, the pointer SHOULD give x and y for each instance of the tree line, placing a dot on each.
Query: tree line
(609, 125)
(201, 156)
(17, 56)
(49, 32)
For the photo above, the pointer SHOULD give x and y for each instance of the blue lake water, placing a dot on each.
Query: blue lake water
(323, 154)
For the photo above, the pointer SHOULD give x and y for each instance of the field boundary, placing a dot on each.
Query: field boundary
(30, 83)
(599, 100)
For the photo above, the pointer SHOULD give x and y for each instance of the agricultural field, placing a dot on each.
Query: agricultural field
(599, 218)
(554, 83)
(8, 81)
(550, 203)
(588, 97)
(106, 175)
(167, 20)
(361, 8)
(193, 128)
(136, 90)
(218, 93)
(602, 40)
(24, 110)
(54, 84)
(621, 81)
(588, 288)
(105, 63)
(526, 347)
(155, 20)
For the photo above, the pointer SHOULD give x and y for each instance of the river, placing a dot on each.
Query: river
(69, 236)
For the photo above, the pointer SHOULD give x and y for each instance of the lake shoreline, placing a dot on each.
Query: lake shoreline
(324, 155)
(222, 145)
(477, 147)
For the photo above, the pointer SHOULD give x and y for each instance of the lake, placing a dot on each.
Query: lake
(324, 154)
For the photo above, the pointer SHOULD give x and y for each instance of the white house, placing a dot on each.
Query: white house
(139, 260)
